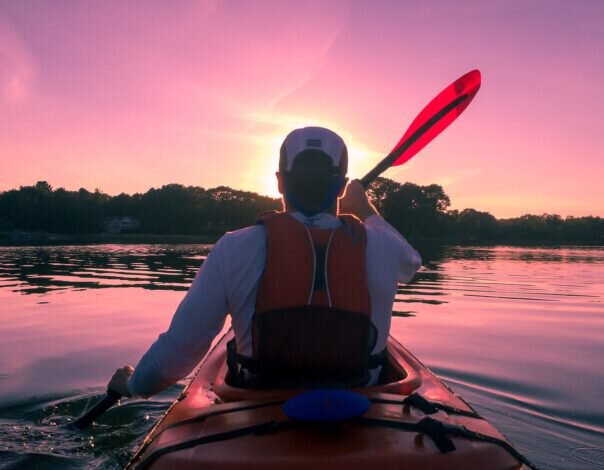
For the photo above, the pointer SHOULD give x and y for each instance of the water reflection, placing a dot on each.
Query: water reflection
(503, 273)
(434, 254)
(518, 332)
(31, 270)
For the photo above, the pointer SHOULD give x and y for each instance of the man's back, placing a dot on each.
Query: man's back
(313, 163)
(228, 283)
(242, 254)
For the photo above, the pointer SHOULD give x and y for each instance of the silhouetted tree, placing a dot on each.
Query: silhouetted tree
(419, 212)
(473, 225)
(380, 190)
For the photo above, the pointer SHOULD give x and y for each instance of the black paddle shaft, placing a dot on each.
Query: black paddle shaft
(97, 410)
(397, 152)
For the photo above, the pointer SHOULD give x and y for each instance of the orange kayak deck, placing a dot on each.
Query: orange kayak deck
(218, 426)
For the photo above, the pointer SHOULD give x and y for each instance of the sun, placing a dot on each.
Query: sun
(265, 164)
(262, 169)
(269, 185)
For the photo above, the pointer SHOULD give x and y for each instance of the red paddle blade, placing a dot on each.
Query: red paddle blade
(438, 114)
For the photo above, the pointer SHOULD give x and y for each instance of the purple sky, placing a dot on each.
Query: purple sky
(125, 95)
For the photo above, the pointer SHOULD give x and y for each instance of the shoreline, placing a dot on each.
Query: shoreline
(23, 238)
(8, 239)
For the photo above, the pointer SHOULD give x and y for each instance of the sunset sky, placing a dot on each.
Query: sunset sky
(128, 95)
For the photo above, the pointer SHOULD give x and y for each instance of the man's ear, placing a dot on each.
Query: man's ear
(280, 182)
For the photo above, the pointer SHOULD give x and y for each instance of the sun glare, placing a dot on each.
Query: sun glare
(360, 157)
(266, 164)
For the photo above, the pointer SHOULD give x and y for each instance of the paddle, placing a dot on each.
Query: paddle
(97, 410)
(431, 121)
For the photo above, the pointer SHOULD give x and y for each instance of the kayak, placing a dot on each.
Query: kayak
(412, 421)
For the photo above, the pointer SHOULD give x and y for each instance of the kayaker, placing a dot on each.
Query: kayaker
(316, 312)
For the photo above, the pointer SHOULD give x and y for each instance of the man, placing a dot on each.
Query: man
(310, 294)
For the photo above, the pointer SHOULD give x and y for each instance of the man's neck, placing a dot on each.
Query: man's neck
(321, 220)
(331, 210)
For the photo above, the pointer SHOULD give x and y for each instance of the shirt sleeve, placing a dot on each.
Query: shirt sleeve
(407, 259)
(198, 319)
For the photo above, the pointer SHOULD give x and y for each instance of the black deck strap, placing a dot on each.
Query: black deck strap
(415, 400)
(209, 414)
(434, 429)
(450, 430)
(223, 436)
(430, 407)
(438, 433)
(274, 426)
(462, 431)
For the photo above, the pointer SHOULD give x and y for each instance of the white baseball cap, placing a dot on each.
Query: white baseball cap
(317, 139)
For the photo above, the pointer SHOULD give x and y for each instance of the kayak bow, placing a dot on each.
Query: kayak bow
(412, 418)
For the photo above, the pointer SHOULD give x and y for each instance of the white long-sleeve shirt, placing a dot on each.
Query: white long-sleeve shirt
(228, 283)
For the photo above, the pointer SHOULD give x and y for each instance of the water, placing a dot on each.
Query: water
(518, 332)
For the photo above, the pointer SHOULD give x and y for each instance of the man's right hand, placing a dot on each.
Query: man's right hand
(119, 381)
(355, 201)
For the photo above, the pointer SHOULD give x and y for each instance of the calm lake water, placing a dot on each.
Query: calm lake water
(517, 332)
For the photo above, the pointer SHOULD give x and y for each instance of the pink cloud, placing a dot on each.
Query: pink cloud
(16, 67)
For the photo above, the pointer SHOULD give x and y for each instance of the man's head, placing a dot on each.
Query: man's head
(312, 169)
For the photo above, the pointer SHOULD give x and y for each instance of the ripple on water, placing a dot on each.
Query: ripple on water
(590, 455)
(517, 331)
(36, 433)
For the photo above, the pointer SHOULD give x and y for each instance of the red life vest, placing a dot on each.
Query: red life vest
(312, 323)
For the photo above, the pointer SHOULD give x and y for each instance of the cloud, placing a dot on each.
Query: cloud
(270, 128)
(209, 7)
(16, 67)
(250, 60)
(451, 178)
(456, 177)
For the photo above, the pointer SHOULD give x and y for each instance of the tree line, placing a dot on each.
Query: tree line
(171, 209)
(423, 212)
(418, 212)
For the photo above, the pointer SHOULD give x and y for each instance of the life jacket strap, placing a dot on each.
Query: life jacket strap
(378, 359)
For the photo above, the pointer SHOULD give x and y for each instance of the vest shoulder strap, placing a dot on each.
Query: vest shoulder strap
(289, 267)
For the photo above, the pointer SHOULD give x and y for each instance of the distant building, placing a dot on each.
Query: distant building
(121, 225)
